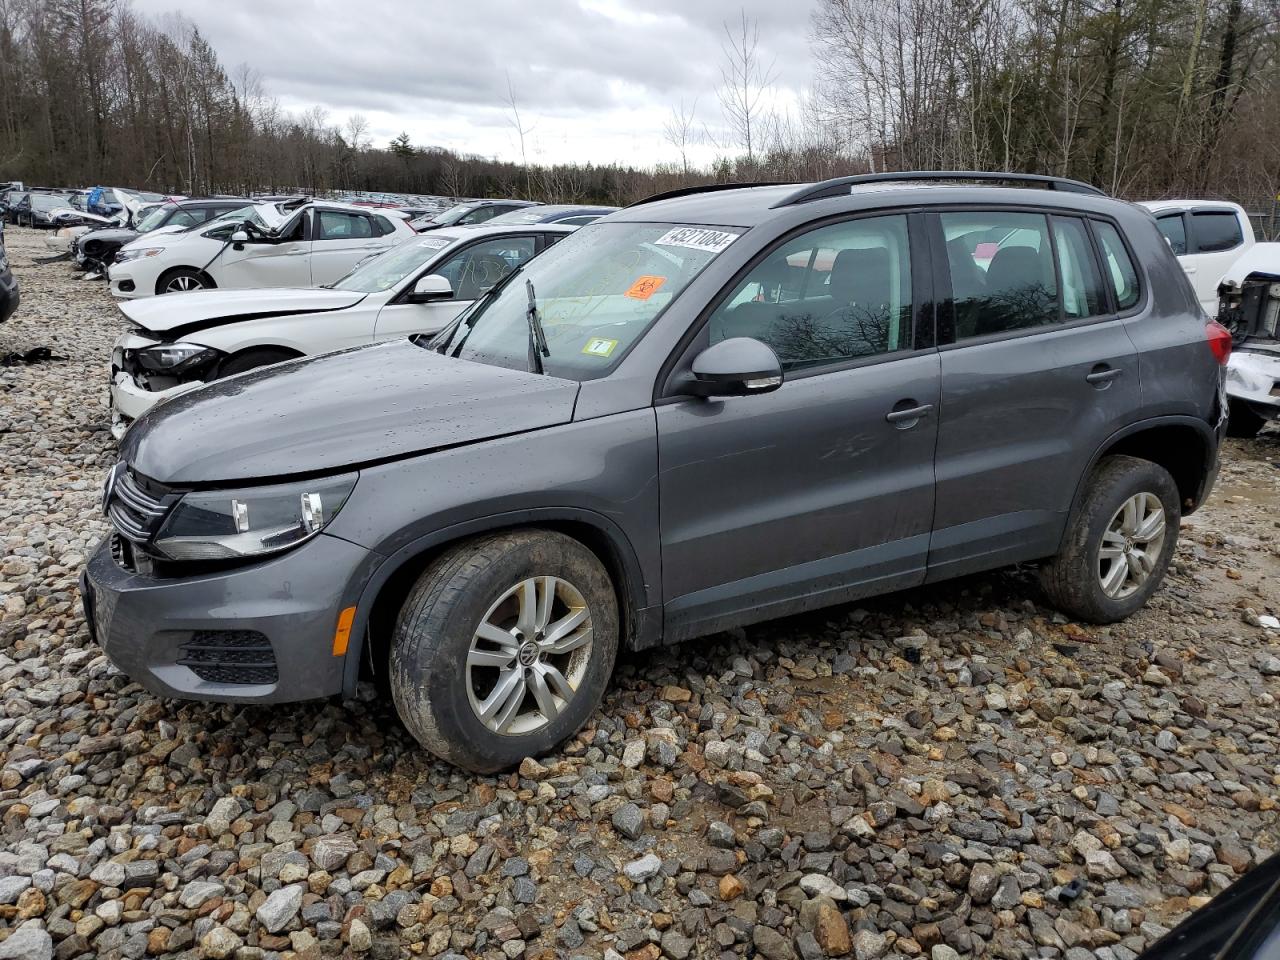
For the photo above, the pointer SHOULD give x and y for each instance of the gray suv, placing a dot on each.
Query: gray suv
(708, 409)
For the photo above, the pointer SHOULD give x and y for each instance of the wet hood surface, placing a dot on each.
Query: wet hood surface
(205, 308)
(336, 411)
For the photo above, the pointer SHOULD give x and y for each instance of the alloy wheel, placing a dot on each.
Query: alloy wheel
(529, 655)
(183, 284)
(1131, 546)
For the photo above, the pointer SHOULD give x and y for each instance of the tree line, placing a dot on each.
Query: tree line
(1145, 98)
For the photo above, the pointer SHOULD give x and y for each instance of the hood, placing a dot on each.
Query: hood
(209, 308)
(337, 411)
(1262, 260)
(119, 235)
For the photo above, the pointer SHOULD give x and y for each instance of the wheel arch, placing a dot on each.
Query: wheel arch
(1185, 446)
(384, 593)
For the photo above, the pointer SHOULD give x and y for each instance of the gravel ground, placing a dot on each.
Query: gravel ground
(950, 772)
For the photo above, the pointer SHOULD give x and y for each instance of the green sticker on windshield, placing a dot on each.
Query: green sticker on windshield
(599, 347)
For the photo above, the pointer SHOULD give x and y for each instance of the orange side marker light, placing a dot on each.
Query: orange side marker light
(343, 633)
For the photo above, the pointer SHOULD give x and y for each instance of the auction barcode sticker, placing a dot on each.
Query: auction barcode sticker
(697, 238)
(434, 243)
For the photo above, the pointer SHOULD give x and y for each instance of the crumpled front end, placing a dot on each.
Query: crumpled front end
(146, 371)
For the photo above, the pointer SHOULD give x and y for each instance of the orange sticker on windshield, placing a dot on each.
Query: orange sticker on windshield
(645, 287)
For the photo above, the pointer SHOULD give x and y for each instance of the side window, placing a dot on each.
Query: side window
(1216, 231)
(832, 294)
(579, 221)
(1081, 286)
(1121, 273)
(382, 226)
(477, 268)
(340, 225)
(1002, 275)
(1174, 229)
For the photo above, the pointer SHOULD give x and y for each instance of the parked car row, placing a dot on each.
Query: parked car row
(704, 410)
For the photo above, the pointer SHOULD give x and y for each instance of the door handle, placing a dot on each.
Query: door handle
(1189, 269)
(908, 414)
(1102, 374)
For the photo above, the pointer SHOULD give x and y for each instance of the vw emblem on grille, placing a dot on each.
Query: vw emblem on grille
(109, 487)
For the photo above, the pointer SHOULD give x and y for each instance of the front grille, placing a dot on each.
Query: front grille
(137, 508)
(230, 656)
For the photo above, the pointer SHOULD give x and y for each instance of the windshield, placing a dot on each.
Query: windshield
(453, 214)
(597, 290)
(386, 270)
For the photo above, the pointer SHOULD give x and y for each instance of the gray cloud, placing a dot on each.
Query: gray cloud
(595, 77)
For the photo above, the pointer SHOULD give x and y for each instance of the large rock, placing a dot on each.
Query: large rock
(281, 907)
(27, 943)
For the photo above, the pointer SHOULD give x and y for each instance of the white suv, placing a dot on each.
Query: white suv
(1207, 237)
(295, 243)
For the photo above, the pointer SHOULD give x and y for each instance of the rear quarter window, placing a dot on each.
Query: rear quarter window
(1118, 266)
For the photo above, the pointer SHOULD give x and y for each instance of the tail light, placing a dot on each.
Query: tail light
(1219, 338)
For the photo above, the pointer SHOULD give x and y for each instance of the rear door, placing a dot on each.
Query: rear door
(1217, 238)
(1037, 372)
(471, 271)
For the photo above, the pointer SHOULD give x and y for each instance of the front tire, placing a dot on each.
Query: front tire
(183, 280)
(253, 359)
(1118, 543)
(504, 647)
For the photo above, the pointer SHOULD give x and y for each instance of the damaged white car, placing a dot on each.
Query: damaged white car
(1249, 306)
(179, 343)
(292, 243)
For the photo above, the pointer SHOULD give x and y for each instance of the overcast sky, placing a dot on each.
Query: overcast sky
(595, 79)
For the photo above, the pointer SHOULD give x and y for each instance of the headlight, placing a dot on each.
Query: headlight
(174, 358)
(124, 254)
(229, 524)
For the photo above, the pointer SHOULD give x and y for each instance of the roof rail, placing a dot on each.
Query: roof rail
(705, 188)
(843, 185)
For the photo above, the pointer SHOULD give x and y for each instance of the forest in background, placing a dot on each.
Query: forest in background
(1145, 98)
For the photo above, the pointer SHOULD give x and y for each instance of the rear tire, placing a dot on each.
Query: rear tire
(253, 359)
(477, 683)
(1243, 422)
(1118, 542)
(183, 280)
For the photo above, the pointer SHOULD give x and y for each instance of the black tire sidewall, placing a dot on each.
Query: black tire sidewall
(1103, 502)
(431, 644)
(261, 356)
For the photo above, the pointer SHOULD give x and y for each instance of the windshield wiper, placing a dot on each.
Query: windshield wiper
(537, 339)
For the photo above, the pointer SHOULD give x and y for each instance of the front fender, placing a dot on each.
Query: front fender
(642, 615)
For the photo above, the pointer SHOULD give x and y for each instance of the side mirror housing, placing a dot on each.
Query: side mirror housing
(239, 238)
(431, 287)
(737, 367)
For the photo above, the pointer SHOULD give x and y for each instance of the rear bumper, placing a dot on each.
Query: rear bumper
(262, 633)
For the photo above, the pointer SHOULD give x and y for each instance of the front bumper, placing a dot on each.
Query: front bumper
(261, 633)
(1253, 377)
(124, 284)
(130, 401)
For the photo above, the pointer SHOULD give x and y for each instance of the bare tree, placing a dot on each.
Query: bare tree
(521, 132)
(679, 131)
(745, 81)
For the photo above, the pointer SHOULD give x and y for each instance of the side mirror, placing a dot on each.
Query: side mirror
(736, 367)
(431, 287)
(239, 238)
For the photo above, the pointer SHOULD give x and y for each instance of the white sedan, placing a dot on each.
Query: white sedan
(179, 343)
(294, 243)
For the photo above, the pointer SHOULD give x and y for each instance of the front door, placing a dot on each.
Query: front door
(1037, 372)
(283, 262)
(822, 490)
(342, 239)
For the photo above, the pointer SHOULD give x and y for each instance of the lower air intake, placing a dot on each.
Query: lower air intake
(230, 656)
